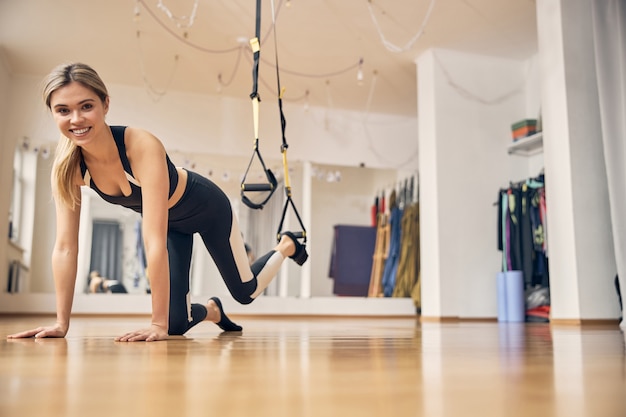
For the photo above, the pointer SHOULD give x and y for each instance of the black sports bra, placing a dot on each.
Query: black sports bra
(133, 201)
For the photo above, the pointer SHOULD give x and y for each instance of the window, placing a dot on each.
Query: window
(15, 208)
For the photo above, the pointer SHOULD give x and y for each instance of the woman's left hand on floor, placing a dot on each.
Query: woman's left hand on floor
(151, 334)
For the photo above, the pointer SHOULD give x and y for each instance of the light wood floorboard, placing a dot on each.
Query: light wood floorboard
(314, 367)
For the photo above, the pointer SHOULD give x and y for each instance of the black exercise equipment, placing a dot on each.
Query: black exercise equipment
(270, 186)
(301, 234)
(256, 195)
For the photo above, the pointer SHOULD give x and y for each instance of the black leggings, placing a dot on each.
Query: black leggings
(205, 209)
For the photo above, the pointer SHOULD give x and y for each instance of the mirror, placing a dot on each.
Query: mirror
(110, 240)
(29, 220)
(338, 195)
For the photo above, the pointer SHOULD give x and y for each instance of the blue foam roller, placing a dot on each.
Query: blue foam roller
(515, 303)
(501, 283)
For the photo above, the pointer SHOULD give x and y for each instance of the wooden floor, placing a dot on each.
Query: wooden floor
(316, 367)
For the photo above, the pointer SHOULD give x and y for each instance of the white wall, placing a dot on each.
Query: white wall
(582, 262)
(467, 104)
(222, 125)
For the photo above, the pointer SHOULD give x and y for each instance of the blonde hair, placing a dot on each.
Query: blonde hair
(68, 156)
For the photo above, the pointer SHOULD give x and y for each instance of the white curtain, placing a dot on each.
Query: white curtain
(609, 33)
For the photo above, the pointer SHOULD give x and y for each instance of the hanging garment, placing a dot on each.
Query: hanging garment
(522, 231)
(526, 235)
(380, 254)
(515, 214)
(391, 264)
(408, 263)
(374, 213)
(507, 223)
(544, 218)
(502, 228)
(537, 218)
(499, 238)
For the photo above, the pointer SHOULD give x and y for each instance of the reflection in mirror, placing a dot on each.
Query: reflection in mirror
(113, 260)
(99, 284)
(340, 196)
(337, 195)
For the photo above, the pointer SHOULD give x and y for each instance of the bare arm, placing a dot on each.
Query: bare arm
(147, 157)
(64, 261)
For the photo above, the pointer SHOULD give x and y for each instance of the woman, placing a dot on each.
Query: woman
(129, 166)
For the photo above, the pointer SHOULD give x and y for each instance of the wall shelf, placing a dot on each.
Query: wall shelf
(528, 146)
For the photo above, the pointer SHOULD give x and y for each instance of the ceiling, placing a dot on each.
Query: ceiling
(320, 44)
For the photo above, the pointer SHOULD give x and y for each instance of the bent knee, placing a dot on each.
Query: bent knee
(242, 292)
(243, 298)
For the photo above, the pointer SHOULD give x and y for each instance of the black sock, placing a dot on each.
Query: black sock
(225, 323)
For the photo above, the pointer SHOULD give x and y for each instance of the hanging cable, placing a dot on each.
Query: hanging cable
(180, 20)
(152, 91)
(392, 47)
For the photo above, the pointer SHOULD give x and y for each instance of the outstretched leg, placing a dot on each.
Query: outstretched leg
(266, 267)
(244, 281)
(206, 209)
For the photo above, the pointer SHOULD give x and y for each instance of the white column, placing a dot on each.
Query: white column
(581, 256)
(466, 105)
(429, 199)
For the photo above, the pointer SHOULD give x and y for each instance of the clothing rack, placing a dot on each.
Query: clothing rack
(395, 267)
(522, 229)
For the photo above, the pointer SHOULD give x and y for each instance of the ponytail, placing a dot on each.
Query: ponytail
(66, 162)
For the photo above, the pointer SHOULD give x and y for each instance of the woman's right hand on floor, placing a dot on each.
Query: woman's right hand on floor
(49, 331)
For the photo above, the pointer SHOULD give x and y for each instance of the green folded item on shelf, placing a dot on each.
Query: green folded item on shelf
(524, 123)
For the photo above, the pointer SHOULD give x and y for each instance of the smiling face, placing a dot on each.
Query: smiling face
(78, 112)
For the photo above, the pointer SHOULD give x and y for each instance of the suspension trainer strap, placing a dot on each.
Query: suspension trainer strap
(283, 126)
(270, 186)
(255, 44)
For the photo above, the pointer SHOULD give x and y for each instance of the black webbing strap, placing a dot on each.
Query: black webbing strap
(270, 185)
(283, 127)
(255, 44)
